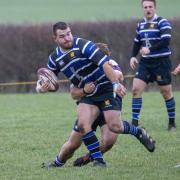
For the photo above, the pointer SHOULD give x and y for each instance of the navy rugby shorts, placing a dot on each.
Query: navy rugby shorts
(155, 69)
(104, 102)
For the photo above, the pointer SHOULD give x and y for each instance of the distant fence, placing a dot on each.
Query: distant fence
(64, 84)
(11, 87)
(24, 49)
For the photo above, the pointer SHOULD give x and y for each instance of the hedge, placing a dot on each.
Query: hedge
(25, 48)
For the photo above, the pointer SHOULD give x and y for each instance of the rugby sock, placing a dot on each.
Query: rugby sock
(131, 129)
(136, 108)
(58, 162)
(170, 105)
(91, 142)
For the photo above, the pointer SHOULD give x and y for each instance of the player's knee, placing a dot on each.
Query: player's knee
(166, 93)
(84, 128)
(115, 127)
(135, 91)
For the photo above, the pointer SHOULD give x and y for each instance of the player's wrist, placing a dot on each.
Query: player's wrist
(115, 87)
(84, 91)
(115, 82)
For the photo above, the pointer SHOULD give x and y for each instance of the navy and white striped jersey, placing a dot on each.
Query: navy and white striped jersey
(81, 64)
(155, 35)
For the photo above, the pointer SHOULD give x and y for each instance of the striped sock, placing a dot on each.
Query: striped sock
(171, 110)
(131, 129)
(136, 108)
(58, 162)
(91, 142)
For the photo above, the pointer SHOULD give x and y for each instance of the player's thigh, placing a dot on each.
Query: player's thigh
(107, 136)
(113, 120)
(99, 121)
(87, 113)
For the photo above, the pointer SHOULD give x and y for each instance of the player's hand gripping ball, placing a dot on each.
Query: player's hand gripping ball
(47, 81)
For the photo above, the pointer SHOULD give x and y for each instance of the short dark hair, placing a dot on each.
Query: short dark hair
(154, 1)
(104, 48)
(59, 25)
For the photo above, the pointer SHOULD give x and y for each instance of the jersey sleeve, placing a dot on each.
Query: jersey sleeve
(165, 29)
(51, 64)
(137, 43)
(92, 52)
(137, 36)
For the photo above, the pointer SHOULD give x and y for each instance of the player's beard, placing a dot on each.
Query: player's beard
(67, 45)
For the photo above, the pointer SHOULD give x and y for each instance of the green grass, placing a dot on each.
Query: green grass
(34, 126)
(38, 11)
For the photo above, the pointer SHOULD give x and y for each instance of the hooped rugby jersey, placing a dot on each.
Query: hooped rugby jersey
(81, 64)
(149, 34)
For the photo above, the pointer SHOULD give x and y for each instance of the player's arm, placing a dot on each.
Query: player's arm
(42, 85)
(117, 86)
(121, 90)
(176, 70)
(112, 76)
(120, 76)
(77, 93)
(52, 64)
(135, 49)
(117, 69)
(110, 73)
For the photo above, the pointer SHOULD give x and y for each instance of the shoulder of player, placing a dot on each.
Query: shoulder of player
(82, 43)
(142, 21)
(162, 21)
(54, 55)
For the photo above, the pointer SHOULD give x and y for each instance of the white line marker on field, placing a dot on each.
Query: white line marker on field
(177, 166)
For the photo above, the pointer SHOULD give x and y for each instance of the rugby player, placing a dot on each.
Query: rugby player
(82, 62)
(153, 35)
(108, 138)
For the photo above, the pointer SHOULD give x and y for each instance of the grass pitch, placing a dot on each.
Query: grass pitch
(41, 11)
(34, 126)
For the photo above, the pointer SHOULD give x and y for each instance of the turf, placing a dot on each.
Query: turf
(41, 11)
(34, 126)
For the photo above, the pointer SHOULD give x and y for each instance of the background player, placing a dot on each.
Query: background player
(152, 41)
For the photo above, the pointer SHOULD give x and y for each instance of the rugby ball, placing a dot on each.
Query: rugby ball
(47, 76)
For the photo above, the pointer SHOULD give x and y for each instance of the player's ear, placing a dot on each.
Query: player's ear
(54, 38)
